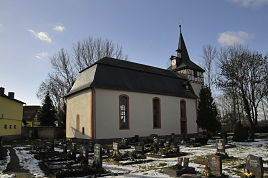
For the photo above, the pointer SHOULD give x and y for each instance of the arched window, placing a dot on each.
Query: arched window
(123, 112)
(183, 117)
(156, 113)
(77, 122)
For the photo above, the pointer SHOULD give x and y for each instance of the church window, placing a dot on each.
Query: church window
(156, 113)
(183, 117)
(123, 112)
(83, 130)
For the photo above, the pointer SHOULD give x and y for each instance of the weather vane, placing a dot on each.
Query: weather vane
(180, 28)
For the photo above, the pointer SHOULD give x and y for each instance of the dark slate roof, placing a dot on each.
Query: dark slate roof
(124, 75)
(5, 96)
(188, 64)
(29, 112)
(183, 60)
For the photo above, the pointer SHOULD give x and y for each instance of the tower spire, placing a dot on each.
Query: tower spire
(182, 52)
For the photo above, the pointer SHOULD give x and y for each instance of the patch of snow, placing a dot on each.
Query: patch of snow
(7, 175)
(27, 161)
(4, 162)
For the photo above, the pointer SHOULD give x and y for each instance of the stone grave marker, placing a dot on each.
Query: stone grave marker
(220, 146)
(139, 147)
(180, 160)
(215, 165)
(167, 143)
(97, 161)
(90, 146)
(136, 138)
(115, 148)
(172, 137)
(86, 155)
(124, 141)
(73, 151)
(255, 165)
(186, 162)
(65, 148)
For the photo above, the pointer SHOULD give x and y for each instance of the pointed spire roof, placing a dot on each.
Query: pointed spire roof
(182, 52)
(183, 59)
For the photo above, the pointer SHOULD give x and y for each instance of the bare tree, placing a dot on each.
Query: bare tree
(65, 66)
(209, 55)
(246, 73)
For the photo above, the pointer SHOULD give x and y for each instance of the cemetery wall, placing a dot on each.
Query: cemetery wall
(43, 132)
(140, 114)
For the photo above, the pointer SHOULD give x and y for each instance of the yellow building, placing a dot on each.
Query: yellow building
(10, 114)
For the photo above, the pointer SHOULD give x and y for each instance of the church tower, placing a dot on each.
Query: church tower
(183, 65)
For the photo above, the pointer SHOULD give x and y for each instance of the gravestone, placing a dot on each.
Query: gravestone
(97, 160)
(185, 162)
(124, 141)
(172, 137)
(215, 165)
(167, 143)
(155, 144)
(90, 146)
(65, 148)
(139, 147)
(73, 151)
(136, 138)
(180, 160)
(220, 146)
(51, 146)
(255, 165)
(86, 155)
(115, 149)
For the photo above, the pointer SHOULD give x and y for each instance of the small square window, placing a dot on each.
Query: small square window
(10, 126)
(195, 74)
(5, 126)
(14, 126)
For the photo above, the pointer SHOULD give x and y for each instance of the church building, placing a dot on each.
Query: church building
(116, 98)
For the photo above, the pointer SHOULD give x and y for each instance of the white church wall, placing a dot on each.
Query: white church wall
(79, 105)
(140, 114)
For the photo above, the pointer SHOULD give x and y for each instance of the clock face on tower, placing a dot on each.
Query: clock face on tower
(173, 62)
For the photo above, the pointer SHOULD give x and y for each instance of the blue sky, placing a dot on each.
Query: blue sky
(33, 30)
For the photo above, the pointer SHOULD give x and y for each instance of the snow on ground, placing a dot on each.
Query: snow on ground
(4, 162)
(153, 169)
(28, 162)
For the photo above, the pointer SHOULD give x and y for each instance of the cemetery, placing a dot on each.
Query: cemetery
(152, 156)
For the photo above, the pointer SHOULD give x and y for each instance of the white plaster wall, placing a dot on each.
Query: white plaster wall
(140, 114)
(79, 103)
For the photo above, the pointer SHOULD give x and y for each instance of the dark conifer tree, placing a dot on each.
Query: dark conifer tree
(207, 113)
(47, 113)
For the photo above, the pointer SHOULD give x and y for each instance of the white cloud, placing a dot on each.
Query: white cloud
(41, 35)
(250, 3)
(231, 38)
(41, 55)
(59, 28)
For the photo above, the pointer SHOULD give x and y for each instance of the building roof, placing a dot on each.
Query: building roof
(183, 59)
(29, 112)
(115, 74)
(5, 96)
